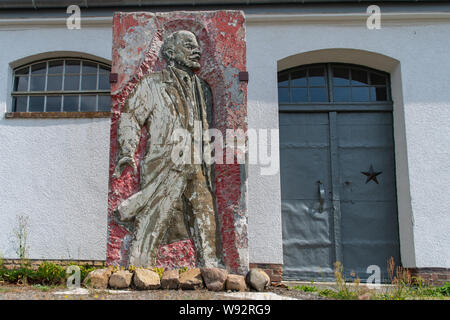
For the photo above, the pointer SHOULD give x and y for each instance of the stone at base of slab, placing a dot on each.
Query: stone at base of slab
(214, 279)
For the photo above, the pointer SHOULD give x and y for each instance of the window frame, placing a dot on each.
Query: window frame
(45, 93)
(311, 106)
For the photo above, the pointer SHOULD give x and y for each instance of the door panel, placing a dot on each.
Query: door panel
(307, 223)
(369, 224)
(367, 216)
(348, 146)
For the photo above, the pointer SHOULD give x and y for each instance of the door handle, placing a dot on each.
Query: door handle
(321, 196)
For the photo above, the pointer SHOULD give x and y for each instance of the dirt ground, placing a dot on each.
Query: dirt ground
(26, 292)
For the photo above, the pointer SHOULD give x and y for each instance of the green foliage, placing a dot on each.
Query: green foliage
(345, 291)
(84, 270)
(131, 268)
(159, 271)
(305, 288)
(444, 290)
(434, 292)
(181, 270)
(404, 287)
(41, 287)
(50, 273)
(24, 274)
(47, 274)
(328, 293)
(21, 234)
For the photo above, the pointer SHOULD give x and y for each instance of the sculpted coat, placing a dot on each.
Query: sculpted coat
(164, 102)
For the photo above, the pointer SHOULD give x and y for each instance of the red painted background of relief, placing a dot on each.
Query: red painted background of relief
(137, 38)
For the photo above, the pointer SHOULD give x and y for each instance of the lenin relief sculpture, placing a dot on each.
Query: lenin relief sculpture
(163, 102)
(163, 203)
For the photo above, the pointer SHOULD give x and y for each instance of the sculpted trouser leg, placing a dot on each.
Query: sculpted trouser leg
(202, 220)
(151, 224)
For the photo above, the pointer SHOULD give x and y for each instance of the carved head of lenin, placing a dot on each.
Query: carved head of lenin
(181, 49)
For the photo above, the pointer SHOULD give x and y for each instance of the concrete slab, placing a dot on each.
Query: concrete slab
(257, 296)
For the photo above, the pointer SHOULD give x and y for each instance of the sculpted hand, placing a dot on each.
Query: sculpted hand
(122, 164)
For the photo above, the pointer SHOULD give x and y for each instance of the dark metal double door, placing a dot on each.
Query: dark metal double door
(338, 193)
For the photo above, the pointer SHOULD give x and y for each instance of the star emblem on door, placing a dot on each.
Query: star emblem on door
(371, 175)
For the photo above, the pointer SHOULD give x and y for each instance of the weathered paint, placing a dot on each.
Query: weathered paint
(137, 38)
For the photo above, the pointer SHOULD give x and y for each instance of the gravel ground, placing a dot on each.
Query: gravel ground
(24, 292)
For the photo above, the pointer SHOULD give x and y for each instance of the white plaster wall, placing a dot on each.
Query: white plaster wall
(54, 171)
(425, 73)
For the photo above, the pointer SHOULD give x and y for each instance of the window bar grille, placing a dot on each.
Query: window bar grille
(45, 93)
(45, 86)
(28, 88)
(97, 86)
(80, 85)
(62, 85)
(329, 83)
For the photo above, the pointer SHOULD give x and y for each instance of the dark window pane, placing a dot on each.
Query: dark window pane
(103, 69)
(341, 94)
(55, 67)
(39, 68)
(341, 76)
(104, 103)
(88, 103)
(283, 95)
(316, 77)
(377, 79)
(299, 95)
(89, 67)
(72, 66)
(360, 94)
(21, 83)
(37, 83)
(22, 71)
(70, 103)
(359, 77)
(36, 104)
(283, 79)
(20, 104)
(72, 82)
(89, 82)
(378, 94)
(54, 83)
(103, 82)
(318, 95)
(298, 78)
(53, 103)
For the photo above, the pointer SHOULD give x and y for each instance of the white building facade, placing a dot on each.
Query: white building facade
(55, 171)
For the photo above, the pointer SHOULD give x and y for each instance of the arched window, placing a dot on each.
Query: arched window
(61, 85)
(333, 83)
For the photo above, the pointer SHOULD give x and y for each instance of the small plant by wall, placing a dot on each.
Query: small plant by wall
(21, 233)
(46, 274)
(404, 287)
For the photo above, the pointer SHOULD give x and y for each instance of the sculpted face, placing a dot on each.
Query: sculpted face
(186, 51)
